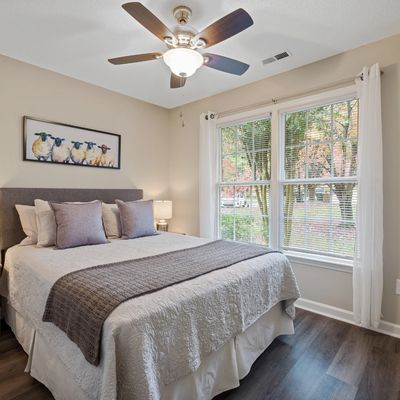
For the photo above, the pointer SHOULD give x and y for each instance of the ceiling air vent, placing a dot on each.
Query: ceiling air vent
(277, 57)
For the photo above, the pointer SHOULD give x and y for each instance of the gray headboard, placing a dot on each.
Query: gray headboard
(10, 227)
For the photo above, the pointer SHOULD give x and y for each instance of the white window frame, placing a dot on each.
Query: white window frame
(277, 112)
(223, 124)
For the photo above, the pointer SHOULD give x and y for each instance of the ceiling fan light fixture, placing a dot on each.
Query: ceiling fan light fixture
(182, 61)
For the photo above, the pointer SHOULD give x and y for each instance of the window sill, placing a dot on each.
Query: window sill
(320, 261)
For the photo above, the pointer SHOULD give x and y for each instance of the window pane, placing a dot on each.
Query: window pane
(228, 167)
(295, 162)
(322, 141)
(320, 218)
(318, 160)
(344, 161)
(262, 165)
(228, 140)
(245, 138)
(244, 167)
(244, 213)
(345, 120)
(246, 151)
(319, 125)
(262, 134)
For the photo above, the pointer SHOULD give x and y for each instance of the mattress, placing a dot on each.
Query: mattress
(143, 336)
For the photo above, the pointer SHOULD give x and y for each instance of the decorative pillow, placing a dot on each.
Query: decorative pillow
(111, 221)
(136, 218)
(27, 217)
(78, 224)
(46, 224)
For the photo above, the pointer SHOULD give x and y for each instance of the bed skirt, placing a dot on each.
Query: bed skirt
(220, 370)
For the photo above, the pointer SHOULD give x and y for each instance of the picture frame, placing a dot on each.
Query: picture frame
(59, 143)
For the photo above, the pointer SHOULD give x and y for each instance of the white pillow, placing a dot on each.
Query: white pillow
(46, 224)
(27, 217)
(111, 221)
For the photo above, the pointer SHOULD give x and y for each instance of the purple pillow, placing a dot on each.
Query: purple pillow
(137, 218)
(78, 224)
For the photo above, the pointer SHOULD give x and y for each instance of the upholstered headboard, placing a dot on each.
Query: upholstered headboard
(10, 227)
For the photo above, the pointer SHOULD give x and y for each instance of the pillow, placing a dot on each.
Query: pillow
(136, 218)
(78, 224)
(46, 224)
(111, 221)
(27, 217)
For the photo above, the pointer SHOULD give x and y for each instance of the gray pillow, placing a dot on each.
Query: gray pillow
(78, 224)
(136, 218)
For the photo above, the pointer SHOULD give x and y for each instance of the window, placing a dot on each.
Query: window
(288, 179)
(244, 188)
(320, 174)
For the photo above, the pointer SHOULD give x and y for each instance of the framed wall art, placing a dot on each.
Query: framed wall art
(54, 142)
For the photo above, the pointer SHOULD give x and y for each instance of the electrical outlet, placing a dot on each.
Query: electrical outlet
(398, 286)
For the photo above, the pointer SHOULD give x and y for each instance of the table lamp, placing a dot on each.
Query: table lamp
(162, 212)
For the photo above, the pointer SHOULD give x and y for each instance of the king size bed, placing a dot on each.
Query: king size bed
(192, 339)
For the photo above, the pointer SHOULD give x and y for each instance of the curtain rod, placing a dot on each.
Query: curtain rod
(275, 100)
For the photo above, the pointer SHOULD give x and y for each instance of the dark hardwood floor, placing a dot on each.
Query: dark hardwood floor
(325, 360)
(14, 383)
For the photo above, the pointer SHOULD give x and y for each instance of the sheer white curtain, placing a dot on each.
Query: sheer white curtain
(208, 153)
(368, 265)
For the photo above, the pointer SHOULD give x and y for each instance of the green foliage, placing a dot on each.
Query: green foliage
(245, 228)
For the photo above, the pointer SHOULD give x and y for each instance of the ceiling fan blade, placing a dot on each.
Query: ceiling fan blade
(135, 58)
(177, 81)
(226, 27)
(225, 64)
(147, 19)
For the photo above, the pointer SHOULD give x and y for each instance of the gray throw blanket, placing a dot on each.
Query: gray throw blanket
(80, 301)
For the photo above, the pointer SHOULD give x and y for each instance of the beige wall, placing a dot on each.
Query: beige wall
(28, 90)
(326, 286)
(153, 138)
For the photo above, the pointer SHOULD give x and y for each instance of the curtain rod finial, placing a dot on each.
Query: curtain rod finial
(210, 116)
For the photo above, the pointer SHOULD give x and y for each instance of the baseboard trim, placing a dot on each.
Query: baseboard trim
(388, 328)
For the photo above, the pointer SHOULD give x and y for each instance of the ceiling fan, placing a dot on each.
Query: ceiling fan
(183, 42)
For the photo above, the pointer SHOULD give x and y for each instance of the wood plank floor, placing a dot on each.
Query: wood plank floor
(325, 360)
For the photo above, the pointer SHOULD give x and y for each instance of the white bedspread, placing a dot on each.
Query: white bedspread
(146, 338)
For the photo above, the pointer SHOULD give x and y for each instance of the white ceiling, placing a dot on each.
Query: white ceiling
(76, 37)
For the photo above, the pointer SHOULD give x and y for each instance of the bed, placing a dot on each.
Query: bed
(192, 340)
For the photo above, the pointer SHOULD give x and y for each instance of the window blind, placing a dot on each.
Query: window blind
(244, 184)
(320, 179)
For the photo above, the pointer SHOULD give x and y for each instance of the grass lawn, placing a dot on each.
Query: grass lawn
(316, 226)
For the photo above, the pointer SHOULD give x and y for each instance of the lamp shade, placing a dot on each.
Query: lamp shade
(162, 209)
(183, 62)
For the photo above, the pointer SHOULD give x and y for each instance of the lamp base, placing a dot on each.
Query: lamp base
(162, 226)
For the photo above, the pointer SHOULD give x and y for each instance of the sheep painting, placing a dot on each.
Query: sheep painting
(70, 145)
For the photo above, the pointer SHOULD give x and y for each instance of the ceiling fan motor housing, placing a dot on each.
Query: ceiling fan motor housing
(184, 33)
(182, 14)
